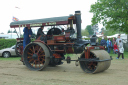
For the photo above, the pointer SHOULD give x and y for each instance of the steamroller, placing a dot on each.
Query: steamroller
(63, 37)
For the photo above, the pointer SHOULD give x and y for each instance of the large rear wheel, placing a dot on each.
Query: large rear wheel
(36, 56)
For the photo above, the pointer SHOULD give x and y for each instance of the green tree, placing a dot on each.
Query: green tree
(84, 32)
(89, 29)
(113, 14)
(108, 32)
(9, 31)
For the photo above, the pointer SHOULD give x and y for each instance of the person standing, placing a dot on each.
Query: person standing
(113, 41)
(117, 40)
(109, 45)
(103, 42)
(121, 50)
(40, 32)
(27, 34)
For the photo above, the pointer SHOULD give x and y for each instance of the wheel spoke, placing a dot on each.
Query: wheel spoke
(29, 57)
(42, 59)
(30, 53)
(33, 49)
(41, 52)
(30, 60)
(42, 63)
(38, 50)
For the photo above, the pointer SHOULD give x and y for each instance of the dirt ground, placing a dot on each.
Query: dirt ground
(15, 73)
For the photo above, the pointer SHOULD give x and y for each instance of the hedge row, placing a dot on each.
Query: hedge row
(5, 43)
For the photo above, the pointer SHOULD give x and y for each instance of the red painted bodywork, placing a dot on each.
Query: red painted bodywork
(56, 55)
(87, 51)
(59, 38)
(67, 36)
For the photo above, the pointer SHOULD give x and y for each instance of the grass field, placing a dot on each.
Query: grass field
(111, 54)
(115, 55)
(10, 58)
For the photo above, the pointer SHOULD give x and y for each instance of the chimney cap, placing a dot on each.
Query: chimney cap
(77, 12)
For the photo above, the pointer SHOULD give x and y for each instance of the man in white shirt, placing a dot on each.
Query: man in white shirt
(118, 39)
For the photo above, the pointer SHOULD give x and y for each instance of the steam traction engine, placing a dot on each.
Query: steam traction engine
(50, 49)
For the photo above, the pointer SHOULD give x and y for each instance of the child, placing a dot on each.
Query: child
(116, 50)
(121, 50)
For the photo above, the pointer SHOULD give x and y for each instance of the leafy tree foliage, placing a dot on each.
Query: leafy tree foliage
(84, 32)
(9, 31)
(108, 32)
(113, 14)
(89, 29)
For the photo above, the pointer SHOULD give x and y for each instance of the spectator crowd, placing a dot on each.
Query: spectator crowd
(116, 45)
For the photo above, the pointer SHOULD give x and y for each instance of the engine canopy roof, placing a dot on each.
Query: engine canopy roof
(64, 20)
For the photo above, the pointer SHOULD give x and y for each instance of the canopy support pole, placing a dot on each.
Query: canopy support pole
(19, 30)
(16, 32)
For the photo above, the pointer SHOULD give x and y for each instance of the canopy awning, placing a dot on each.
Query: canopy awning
(43, 22)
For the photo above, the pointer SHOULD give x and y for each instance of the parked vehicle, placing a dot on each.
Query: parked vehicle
(7, 52)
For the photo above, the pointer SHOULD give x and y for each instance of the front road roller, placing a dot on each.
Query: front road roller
(36, 56)
(95, 61)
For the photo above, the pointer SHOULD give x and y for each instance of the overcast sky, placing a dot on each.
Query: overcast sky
(36, 9)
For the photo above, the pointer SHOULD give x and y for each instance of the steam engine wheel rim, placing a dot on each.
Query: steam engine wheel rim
(88, 67)
(36, 56)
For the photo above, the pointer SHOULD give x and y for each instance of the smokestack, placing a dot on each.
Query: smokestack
(78, 24)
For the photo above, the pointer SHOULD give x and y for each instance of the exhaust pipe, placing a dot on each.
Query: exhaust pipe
(78, 24)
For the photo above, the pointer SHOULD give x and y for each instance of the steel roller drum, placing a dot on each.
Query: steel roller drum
(93, 66)
(102, 55)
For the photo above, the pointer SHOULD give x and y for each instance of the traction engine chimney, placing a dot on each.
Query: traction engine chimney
(78, 24)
